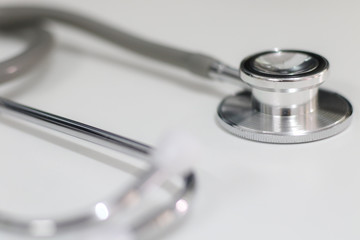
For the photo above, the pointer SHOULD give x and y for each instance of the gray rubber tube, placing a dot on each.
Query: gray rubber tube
(38, 46)
(194, 62)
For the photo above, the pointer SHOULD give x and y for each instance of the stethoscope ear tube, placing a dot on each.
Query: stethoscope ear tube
(39, 44)
(12, 17)
(281, 103)
(282, 82)
(153, 222)
(25, 21)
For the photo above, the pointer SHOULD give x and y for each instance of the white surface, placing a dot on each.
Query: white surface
(247, 190)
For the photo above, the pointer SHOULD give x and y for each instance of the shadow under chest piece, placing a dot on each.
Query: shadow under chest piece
(285, 104)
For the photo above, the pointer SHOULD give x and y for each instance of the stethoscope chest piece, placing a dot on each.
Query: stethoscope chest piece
(285, 104)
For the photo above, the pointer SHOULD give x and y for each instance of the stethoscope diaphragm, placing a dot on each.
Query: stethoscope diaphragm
(285, 104)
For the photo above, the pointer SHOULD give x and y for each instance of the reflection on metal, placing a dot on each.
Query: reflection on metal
(285, 104)
(182, 206)
(105, 209)
(102, 211)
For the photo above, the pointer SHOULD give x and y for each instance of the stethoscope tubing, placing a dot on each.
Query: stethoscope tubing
(26, 21)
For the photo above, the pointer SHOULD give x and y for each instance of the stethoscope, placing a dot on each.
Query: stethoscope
(281, 103)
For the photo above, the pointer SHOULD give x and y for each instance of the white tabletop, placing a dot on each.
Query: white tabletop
(246, 190)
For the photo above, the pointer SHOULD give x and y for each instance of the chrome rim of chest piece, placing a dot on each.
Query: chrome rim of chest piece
(285, 104)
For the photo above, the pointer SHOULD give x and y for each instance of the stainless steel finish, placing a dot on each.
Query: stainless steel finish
(285, 104)
(45, 227)
(283, 82)
(76, 129)
(237, 115)
(284, 77)
(282, 62)
(26, 22)
(161, 220)
(227, 74)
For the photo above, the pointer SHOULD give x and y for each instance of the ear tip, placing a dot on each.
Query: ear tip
(177, 152)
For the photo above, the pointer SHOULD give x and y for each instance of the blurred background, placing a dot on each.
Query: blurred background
(247, 190)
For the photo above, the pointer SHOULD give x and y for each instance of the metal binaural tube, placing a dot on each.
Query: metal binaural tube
(14, 20)
(149, 225)
(76, 129)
